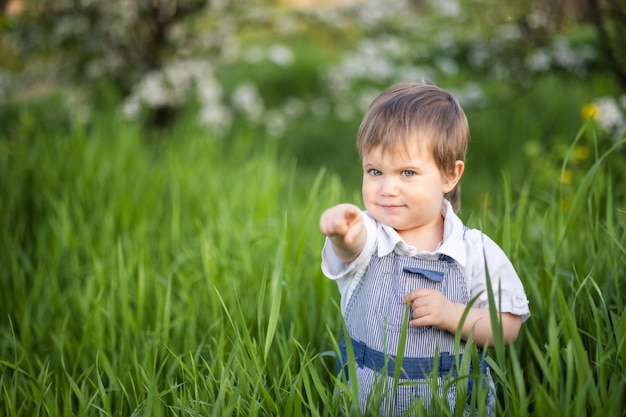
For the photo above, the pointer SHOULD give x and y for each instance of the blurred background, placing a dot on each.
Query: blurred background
(163, 166)
(301, 73)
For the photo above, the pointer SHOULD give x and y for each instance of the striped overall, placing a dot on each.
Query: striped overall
(374, 320)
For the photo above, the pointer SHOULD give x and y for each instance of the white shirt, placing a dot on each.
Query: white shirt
(469, 248)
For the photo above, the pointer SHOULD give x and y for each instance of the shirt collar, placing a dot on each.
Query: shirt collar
(452, 246)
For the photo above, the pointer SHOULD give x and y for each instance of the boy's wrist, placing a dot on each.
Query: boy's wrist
(343, 252)
(455, 317)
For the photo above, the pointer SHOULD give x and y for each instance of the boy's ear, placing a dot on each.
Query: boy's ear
(454, 176)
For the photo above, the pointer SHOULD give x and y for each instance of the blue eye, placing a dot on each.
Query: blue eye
(408, 173)
(375, 172)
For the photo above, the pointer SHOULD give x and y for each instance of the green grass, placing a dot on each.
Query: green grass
(180, 276)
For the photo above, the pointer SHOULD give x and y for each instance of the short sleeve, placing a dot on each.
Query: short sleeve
(509, 294)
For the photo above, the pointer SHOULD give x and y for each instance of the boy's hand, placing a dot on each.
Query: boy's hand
(343, 224)
(343, 220)
(432, 308)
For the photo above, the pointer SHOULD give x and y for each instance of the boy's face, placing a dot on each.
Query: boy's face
(403, 188)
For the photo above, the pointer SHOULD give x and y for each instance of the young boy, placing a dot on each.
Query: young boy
(409, 247)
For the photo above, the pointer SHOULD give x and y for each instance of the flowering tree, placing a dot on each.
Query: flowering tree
(122, 39)
(268, 66)
(69, 42)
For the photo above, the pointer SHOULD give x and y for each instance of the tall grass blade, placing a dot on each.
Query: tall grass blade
(582, 193)
(275, 297)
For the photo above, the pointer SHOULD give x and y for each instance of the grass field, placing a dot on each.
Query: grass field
(179, 275)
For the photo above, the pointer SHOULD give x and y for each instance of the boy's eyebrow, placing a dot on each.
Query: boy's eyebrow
(404, 167)
(413, 168)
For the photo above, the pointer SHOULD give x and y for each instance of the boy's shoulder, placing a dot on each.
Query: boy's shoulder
(454, 227)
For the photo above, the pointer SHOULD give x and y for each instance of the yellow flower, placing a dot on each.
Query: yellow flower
(589, 110)
(566, 177)
(580, 153)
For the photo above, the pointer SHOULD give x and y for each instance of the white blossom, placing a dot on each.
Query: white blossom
(470, 95)
(447, 65)
(610, 117)
(293, 107)
(215, 116)
(280, 55)
(246, 98)
(450, 8)
(275, 123)
(539, 60)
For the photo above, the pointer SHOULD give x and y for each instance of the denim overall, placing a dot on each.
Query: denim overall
(374, 320)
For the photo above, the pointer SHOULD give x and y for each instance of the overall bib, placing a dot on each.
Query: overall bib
(374, 320)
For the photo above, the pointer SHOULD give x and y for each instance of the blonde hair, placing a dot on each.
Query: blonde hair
(413, 111)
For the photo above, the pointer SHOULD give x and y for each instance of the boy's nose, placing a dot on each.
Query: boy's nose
(389, 186)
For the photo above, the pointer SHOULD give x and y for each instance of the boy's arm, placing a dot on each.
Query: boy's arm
(344, 226)
(478, 321)
(432, 308)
